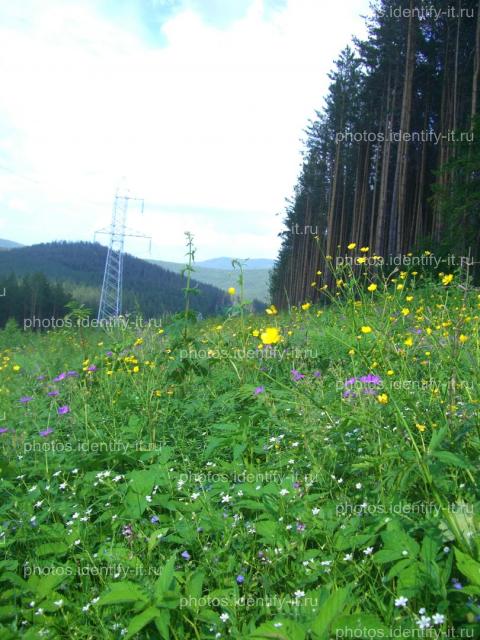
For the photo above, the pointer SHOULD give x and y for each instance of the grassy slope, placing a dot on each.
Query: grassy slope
(256, 280)
(316, 495)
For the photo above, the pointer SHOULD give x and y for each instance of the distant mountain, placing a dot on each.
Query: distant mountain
(79, 266)
(226, 263)
(256, 281)
(9, 244)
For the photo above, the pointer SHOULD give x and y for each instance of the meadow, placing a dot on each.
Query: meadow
(307, 474)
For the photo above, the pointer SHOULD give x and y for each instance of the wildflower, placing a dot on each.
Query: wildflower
(368, 551)
(3, 430)
(456, 584)
(347, 557)
(352, 245)
(46, 432)
(186, 555)
(271, 310)
(405, 311)
(63, 410)
(306, 306)
(420, 427)
(16, 367)
(399, 287)
(401, 601)
(366, 329)
(226, 499)
(60, 377)
(299, 593)
(224, 617)
(462, 338)
(317, 374)
(25, 399)
(364, 249)
(382, 398)
(255, 333)
(447, 279)
(438, 618)
(372, 287)
(424, 622)
(296, 375)
(271, 335)
(361, 260)
(53, 393)
(231, 291)
(408, 342)
(259, 390)
(284, 492)
(240, 579)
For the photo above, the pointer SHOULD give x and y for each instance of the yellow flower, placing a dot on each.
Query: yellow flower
(372, 287)
(109, 372)
(313, 284)
(136, 369)
(160, 331)
(447, 279)
(405, 311)
(16, 367)
(352, 245)
(271, 310)
(366, 329)
(231, 291)
(463, 338)
(319, 273)
(427, 253)
(255, 333)
(364, 249)
(158, 393)
(339, 283)
(361, 260)
(409, 298)
(138, 342)
(271, 335)
(414, 273)
(390, 372)
(351, 352)
(409, 341)
(420, 427)
(382, 398)
(399, 287)
(306, 306)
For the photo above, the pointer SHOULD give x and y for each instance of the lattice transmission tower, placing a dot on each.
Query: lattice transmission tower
(111, 296)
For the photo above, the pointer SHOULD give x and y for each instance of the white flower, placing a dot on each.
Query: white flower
(75, 516)
(148, 498)
(358, 485)
(422, 611)
(277, 625)
(240, 493)
(295, 444)
(438, 618)
(74, 470)
(226, 498)
(117, 478)
(299, 593)
(348, 556)
(404, 552)
(424, 622)
(446, 549)
(77, 541)
(32, 488)
(284, 492)
(401, 601)
(194, 496)
(38, 504)
(315, 511)
(62, 486)
(368, 551)
(39, 612)
(224, 617)
(58, 603)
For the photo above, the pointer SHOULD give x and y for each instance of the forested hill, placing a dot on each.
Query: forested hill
(80, 265)
(392, 161)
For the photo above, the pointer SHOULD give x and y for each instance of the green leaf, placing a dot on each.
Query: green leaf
(329, 612)
(469, 567)
(51, 548)
(387, 555)
(195, 585)
(166, 579)
(451, 459)
(141, 620)
(288, 630)
(124, 591)
(162, 623)
(48, 583)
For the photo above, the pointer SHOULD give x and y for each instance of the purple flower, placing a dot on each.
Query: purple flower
(25, 399)
(186, 555)
(40, 378)
(456, 584)
(154, 519)
(63, 410)
(350, 381)
(296, 375)
(300, 526)
(52, 393)
(259, 390)
(3, 430)
(127, 531)
(60, 377)
(109, 353)
(370, 379)
(240, 579)
(92, 367)
(317, 374)
(70, 374)
(46, 432)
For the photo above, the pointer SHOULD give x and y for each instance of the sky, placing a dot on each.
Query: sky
(197, 106)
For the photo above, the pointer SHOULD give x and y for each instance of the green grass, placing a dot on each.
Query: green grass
(215, 489)
(256, 280)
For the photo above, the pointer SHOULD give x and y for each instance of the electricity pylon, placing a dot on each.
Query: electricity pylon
(111, 296)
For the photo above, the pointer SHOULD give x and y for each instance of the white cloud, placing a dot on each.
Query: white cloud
(210, 120)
